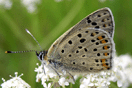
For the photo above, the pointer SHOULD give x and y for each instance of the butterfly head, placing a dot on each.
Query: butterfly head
(42, 56)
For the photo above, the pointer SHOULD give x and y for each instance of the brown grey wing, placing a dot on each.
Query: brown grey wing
(101, 19)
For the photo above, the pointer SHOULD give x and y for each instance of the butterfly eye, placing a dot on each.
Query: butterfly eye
(41, 57)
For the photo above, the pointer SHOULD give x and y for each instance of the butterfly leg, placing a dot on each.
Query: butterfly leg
(43, 69)
(55, 71)
(71, 76)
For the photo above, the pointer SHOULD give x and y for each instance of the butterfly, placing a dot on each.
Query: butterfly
(86, 47)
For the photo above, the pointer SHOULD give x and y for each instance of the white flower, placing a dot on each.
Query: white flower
(51, 76)
(62, 81)
(45, 85)
(15, 82)
(6, 4)
(85, 83)
(31, 4)
(95, 79)
(123, 70)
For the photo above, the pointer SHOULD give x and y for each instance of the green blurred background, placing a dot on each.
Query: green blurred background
(47, 23)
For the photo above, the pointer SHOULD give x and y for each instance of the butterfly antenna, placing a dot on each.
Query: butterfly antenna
(33, 38)
(20, 51)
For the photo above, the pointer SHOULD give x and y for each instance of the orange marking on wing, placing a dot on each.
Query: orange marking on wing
(100, 37)
(105, 54)
(103, 41)
(104, 64)
(105, 47)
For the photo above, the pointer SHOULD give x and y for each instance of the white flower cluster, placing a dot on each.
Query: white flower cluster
(50, 76)
(6, 4)
(31, 4)
(15, 82)
(121, 72)
(96, 79)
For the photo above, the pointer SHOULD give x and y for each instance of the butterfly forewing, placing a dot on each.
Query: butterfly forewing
(88, 46)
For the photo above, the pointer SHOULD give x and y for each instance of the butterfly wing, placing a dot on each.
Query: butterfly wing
(88, 46)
